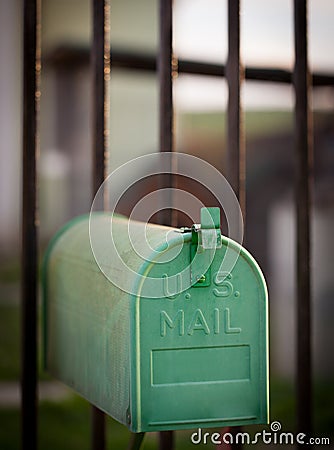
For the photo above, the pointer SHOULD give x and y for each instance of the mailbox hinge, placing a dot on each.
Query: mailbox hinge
(206, 238)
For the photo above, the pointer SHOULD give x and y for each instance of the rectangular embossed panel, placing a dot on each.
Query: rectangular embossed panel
(217, 364)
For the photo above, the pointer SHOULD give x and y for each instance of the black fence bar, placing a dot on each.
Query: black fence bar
(303, 200)
(31, 94)
(166, 112)
(166, 128)
(234, 72)
(100, 60)
(235, 144)
(98, 434)
(136, 441)
(166, 440)
(165, 62)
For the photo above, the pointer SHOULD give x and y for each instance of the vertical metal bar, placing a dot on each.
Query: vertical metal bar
(166, 141)
(98, 435)
(136, 441)
(165, 63)
(166, 66)
(236, 161)
(304, 159)
(100, 60)
(31, 94)
(166, 440)
(236, 158)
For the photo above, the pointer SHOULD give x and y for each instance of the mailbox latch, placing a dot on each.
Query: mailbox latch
(206, 238)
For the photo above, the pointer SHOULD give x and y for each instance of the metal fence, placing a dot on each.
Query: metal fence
(301, 80)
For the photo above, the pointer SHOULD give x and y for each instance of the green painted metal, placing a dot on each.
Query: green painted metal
(190, 358)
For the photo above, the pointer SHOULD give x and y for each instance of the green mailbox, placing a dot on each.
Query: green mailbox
(153, 329)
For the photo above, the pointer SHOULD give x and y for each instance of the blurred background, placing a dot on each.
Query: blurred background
(64, 168)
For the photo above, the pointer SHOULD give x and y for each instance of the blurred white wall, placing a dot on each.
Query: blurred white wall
(10, 122)
(283, 288)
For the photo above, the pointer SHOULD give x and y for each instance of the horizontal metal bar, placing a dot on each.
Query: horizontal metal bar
(67, 57)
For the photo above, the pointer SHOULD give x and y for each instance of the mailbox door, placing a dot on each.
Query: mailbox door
(202, 355)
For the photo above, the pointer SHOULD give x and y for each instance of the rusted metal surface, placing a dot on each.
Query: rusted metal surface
(100, 62)
(304, 163)
(31, 94)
